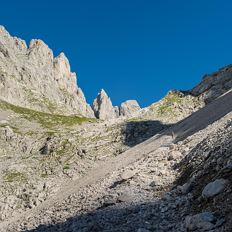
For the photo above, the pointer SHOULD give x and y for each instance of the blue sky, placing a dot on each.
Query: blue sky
(134, 49)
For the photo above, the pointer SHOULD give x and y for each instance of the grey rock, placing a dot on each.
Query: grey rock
(127, 174)
(186, 188)
(125, 197)
(228, 165)
(214, 188)
(201, 222)
(174, 155)
(109, 200)
(44, 150)
(153, 184)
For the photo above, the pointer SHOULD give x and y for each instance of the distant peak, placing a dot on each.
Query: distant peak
(103, 92)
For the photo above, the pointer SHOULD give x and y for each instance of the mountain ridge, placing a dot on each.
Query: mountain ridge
(45, 83)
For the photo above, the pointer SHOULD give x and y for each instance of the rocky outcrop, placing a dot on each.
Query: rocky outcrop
(128, 108)
(103, 108)
(32, 77)
(213, 85)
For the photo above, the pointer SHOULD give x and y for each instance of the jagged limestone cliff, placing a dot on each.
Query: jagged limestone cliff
(32, 77)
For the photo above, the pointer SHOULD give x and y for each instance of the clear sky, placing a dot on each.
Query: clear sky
(134, 49)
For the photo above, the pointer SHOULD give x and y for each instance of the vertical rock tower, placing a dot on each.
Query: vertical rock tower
(103, 108)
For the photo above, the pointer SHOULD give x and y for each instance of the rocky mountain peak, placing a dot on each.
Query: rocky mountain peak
(31, 77)
(102, 106)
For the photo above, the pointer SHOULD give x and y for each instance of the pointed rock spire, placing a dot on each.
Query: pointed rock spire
(103, 108)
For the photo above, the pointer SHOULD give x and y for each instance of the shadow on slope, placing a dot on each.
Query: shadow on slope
(203, 117)
(148, 215)
(207, 161)
(135, 132)
(118, 218)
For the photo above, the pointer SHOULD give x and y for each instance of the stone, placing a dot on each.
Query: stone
(125, 197)
(174, 155)
(202, 221)
(214, 188)
(185, 188)
(153, 184)
(109, 200)
(44, 150)
(127, 174)
(228, 165)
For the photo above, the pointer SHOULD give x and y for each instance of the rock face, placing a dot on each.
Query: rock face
(128, 108)
(31, 77)
(215, 84)
(103, 108)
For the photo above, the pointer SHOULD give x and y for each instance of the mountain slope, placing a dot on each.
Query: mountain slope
(109, 190)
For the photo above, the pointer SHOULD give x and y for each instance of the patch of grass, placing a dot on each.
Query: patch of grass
(45, 119)
(14, 176)
(66, 167)
(3, 125)
(44, 175)
(166, 107)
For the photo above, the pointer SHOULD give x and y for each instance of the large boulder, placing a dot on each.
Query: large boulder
(214, 188)
(200, 222)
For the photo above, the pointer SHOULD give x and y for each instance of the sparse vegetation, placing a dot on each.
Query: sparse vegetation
(14, 176)
(45, 119)
(166, 106)
(66, 167)
(42, 102)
